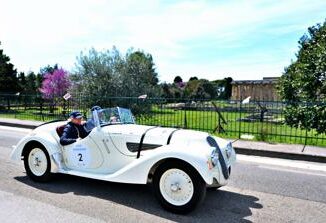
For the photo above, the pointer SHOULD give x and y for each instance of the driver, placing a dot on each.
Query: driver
(71, 133)
(73, 130)
(90, 124)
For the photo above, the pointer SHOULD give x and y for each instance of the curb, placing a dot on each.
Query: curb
(19, 125)
(274, 154)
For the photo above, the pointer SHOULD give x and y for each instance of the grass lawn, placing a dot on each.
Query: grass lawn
(208, 121)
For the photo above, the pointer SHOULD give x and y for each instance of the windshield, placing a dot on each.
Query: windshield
(115, 116)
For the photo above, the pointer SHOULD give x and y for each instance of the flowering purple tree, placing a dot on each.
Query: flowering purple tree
(55, 85)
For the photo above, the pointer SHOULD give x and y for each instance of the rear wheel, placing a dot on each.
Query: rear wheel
(178, 187)
(37, 163)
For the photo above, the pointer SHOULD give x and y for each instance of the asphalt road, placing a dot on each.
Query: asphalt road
(260, 190)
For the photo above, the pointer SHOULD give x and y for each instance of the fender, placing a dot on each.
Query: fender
(46, 139)
(137, 172)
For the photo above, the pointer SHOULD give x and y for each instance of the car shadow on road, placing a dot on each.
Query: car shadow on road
(218, 206)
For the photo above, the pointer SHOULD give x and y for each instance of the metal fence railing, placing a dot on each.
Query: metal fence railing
(257, 120)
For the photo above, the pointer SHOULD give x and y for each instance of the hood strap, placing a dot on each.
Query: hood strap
(142, 140)
(170, 136)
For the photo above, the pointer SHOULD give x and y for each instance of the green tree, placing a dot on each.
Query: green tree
(303, 83)
(191, 89)
(223, 88)
(200, 89)
(39, 80)
(171, 91)
(94, 74)
(8, 75)
(22, 81)
(193, 78)
(48, 69)
(30, 87)
(177, 79)
(100, 75)
(29, 84)
(228, 88)
(166, 91)
(140, 75)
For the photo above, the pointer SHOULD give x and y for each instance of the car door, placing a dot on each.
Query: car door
(85, 154)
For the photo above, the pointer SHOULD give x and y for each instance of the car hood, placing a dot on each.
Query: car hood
(160, 135)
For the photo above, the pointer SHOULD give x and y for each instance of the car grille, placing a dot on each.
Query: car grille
(212, 142)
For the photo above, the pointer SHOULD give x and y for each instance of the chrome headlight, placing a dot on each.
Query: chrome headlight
(228, 150)
(214, 157)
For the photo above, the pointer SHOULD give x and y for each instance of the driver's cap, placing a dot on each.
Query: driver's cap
(76, 114)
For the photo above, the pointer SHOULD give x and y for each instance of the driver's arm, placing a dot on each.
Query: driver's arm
(67, 136)
(82, 131)
(89, 125)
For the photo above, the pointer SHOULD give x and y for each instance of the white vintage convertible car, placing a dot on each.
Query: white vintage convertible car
(179, 163)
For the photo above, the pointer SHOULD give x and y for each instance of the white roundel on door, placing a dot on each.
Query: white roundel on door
(80, 156)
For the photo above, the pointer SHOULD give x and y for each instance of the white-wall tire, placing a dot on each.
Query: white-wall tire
(178, 186)
(37, 163)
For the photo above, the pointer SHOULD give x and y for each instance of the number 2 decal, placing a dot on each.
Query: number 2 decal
(80, 157)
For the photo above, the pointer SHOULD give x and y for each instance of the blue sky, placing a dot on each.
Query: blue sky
(209, 39)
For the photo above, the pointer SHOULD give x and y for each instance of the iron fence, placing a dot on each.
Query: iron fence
(257, 120)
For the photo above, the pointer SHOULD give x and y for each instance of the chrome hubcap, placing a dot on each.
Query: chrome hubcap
(37, 162)
(176, 187)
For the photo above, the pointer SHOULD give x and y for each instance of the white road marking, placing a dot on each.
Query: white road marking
(15, 129)
(289, 169)
(283, 162)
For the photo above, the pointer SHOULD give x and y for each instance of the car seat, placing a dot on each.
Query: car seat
(60, 129)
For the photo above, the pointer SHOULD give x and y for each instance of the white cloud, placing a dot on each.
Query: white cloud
(35, 33)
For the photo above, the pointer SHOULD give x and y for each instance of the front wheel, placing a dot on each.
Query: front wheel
(37, 163)
(213, 188)
(178, 187)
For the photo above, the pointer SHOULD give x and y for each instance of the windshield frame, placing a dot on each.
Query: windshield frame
(115, 116)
